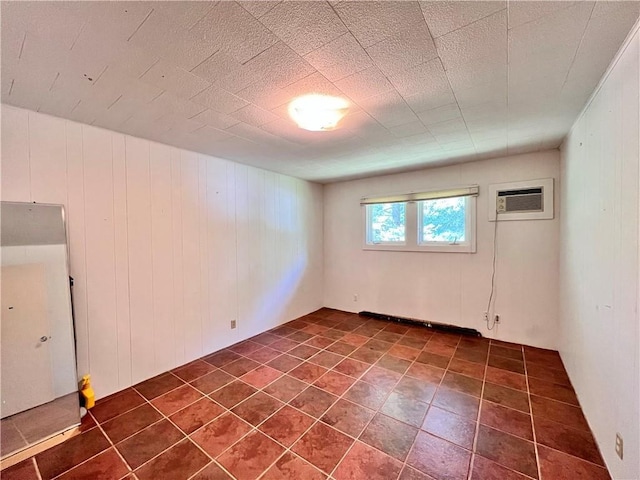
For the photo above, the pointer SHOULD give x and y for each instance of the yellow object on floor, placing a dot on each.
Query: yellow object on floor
(87, 392)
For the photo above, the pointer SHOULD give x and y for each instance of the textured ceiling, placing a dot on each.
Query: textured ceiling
(430, 83)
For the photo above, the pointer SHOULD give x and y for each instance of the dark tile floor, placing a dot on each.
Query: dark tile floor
(335, 395)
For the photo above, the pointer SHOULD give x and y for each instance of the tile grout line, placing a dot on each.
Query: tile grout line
(474, 445)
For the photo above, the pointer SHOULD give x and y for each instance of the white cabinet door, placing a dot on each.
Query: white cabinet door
(26, 359)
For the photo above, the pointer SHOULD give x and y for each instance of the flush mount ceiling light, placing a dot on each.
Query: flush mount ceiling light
(318, 112)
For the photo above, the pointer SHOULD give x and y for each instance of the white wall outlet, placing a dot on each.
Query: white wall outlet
(619, 446)
(486, 316)
(233, 324)
(496, 319)
(355, 297)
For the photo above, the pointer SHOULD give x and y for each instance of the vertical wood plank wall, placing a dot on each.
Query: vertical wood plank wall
(166, 246)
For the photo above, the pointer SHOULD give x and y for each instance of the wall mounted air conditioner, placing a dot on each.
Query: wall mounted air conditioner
(529, 200)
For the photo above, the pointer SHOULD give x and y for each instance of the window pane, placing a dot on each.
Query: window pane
(387, 222)
(443, 220)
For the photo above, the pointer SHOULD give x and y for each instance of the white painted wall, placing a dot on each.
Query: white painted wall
(599, 267)
(450, 287)
(167, 246)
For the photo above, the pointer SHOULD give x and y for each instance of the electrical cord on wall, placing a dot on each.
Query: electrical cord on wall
(493, 275)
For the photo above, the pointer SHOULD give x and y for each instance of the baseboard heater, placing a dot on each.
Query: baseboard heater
(442, 327)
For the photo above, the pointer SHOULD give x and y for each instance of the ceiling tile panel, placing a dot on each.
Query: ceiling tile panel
(215, 119)
(527, 11)
(426, 78)
(340, 58)
(254, 115)
(440, 114)
(482, 41)
(304, 26)
(161, 35)
(258, 9)
(175, 79)
(400, 52)
(364, 84)
(233, 29)
(372, 22)
(213, 78)
(446, 16)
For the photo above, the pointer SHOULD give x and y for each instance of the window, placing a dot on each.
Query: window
(442, 221)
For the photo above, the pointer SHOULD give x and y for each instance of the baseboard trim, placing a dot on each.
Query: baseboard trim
(441, 327)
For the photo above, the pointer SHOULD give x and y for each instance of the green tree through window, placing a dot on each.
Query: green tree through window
(444, 220)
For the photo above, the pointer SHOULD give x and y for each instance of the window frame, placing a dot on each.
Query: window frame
(413, 217)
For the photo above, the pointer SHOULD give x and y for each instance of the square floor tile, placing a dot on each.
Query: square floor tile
(326, 359)
(395, 364)
(348, 417)
(179, 462)
(389, 435)
(308, 372)
(149, 442)
(196, 415)
(506, 419)
(285, 388)
(484, 469)
(257, 408)
(504, 378)
(284, 363)
(506, 396)
(292, 467)
(287, 425)
(232, 394)
(554, 464)
(131, 422)
(251, 456)
(427, 373)
(462, 383)
(212, 381)
(264, 355)
(507, 450)
(451, 427)
(351, 367)
(404, 352)
(176, 399)
(25, 470)
(381, 378)
(405, 409)
(561, 393)
(577, 442)
(239, 367)
(416, 389)
(334, 382)
(366, 395)
(439, 458)
(221, 358)
(313, 401)
(261, 376)
(303, 351)
(106, 465)
(365, 462)
(193, 370)
(217, 436)
(563, 413)
(456, 402)
(117, 404)
(156, 386)
(62, 457)
(213, 471)
(323, 446)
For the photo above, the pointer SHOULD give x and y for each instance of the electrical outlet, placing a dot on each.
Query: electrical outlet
(355, 297)
(233, 324)
(486, 316)
(619, 446)
(496, 319)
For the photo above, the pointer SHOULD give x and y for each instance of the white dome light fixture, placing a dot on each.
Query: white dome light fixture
(317, 112)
